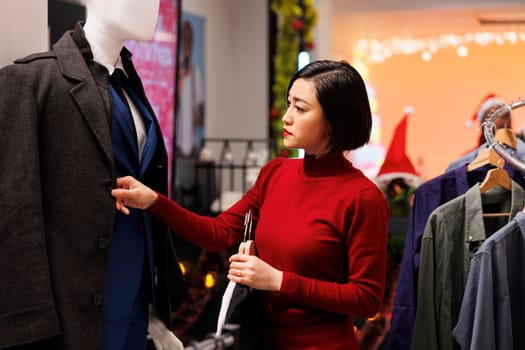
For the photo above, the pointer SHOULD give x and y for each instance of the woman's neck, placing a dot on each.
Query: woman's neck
(326, 165)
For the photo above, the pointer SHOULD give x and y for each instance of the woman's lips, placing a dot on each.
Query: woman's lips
(286, 133)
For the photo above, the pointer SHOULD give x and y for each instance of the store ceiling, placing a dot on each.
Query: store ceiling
(351, 24)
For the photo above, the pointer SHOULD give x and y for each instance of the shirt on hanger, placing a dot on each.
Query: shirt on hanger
(428, 196)
(453, 233)
(491, 314)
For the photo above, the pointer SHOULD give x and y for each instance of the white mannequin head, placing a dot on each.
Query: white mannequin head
(109, 23)
(124, 19)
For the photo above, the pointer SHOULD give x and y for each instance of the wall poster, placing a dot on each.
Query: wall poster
(190, 115)
(156, 64)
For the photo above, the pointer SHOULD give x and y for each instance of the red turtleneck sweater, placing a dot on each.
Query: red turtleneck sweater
(325, 225)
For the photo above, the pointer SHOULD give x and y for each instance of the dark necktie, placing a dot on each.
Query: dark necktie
(118, 80)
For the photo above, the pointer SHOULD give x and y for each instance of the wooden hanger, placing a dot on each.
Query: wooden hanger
(507, 137)
(496, 176)
(488, 156)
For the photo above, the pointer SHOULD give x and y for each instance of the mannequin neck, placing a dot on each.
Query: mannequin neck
(105, 48)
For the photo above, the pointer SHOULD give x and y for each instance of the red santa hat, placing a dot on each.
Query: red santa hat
(489, 101)
(396, 163)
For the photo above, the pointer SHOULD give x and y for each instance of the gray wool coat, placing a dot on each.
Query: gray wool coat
(56, 209)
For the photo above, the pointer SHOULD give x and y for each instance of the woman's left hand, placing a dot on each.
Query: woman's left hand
(254, 272)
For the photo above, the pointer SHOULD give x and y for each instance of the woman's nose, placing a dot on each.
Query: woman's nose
(287, 119)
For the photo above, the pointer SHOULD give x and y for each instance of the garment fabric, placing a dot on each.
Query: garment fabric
(57, 210)
(325, 225)
(120, 83)
(427, 197)
(453, 233)
(491, 314)
(129, 280)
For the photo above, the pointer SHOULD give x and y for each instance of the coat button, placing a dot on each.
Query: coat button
(97, 299)
(103, 243)
(110, 184)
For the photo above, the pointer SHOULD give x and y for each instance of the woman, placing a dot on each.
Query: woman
(321, 224)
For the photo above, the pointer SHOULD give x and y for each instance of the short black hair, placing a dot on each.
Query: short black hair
(342, 94)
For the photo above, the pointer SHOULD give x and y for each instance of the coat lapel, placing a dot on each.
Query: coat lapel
(151, 135)
(86, 93)
(123, 119)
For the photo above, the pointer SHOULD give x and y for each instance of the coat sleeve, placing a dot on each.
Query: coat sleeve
(27, 296)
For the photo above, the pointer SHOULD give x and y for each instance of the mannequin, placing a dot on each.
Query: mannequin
(108, 25)
(82, 276)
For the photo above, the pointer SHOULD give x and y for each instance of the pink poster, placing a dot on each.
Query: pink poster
(156, 64)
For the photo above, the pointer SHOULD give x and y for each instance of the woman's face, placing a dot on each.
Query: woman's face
(303, 123)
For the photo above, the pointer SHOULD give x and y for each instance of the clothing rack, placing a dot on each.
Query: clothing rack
(229, 160)
(229, 172)
(436, 192)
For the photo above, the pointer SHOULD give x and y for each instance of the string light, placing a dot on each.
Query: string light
(209, 280)
(377, 51)
(183, 268)
(462, 51)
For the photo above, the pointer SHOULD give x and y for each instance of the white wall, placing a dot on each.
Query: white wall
(237, 66)
(323, 31)
(23, 28)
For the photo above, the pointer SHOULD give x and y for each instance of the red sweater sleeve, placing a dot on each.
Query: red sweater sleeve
(211, 233)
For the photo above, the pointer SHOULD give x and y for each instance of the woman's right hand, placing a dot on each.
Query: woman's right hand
(132, 193)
